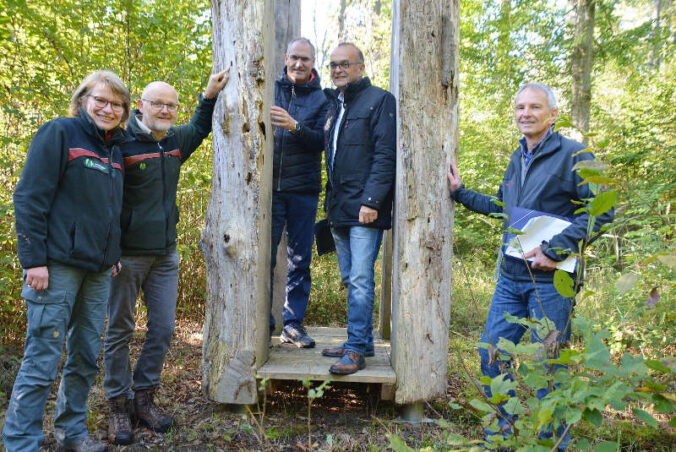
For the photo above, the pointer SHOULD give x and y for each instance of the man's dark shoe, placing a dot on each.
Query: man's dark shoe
(86, 444)
(337, 352)
(297, 336)
(148, 414)
(119, 425)
(348, 364)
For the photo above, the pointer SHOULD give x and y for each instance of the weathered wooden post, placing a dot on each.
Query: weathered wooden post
(236, 236)
(287, 27)
(424, 78)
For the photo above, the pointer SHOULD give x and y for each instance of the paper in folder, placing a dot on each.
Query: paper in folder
(536, 227)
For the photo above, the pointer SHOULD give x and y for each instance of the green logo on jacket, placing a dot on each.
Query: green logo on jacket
(142, 166)
(95, 165)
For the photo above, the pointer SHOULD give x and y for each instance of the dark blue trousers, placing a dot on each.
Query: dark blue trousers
(298, 212)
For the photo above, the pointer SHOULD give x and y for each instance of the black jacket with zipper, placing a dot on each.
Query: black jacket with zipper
(67, 203)
(363, 170)
(549, 185)
(152, 168)
(297, 161)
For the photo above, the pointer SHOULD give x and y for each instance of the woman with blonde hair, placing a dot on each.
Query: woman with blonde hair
(67, 206)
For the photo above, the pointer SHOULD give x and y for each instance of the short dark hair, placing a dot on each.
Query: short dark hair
(301, 39)
(359, 52)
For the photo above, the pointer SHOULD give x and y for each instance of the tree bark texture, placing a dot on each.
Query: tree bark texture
(287, 27)
(424, 78)
(582, 59)
(236, 236)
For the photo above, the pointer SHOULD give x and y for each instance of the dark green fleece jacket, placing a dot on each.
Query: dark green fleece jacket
(152, 168)
(68, 201)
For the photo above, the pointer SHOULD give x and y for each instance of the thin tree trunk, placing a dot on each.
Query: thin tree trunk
(504, 61)
(341, 21)
(657, 47)
(287, 27)
(424, 78)
(236, 236)
(582, 58)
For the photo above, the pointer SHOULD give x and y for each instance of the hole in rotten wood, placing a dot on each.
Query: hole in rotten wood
(248, 178)
(246, 128)
(261, 126)
(226, 238)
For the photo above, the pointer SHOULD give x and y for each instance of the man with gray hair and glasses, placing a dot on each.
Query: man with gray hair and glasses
(540, 178)
(298, 118)
(152, 163)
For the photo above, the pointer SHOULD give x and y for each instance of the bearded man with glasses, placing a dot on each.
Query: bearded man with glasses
(152, 162)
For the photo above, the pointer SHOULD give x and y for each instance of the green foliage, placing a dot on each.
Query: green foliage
(46, 49)
(312, 394)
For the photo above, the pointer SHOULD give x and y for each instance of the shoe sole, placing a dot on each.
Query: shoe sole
(339, 355)
(286, 340)
(342, 372)
(118, 442)
(157, 430)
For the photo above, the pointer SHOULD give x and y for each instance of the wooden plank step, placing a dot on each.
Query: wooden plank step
(288, 362)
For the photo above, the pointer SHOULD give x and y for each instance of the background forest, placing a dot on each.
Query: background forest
(611, 63)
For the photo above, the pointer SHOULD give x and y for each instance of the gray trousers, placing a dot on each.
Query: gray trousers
(158, 277)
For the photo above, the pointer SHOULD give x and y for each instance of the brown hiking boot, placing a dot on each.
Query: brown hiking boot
(119, 426)
(148, 414)
(350, 363)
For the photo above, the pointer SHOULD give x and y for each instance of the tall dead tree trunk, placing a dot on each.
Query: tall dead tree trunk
(504, 61)
(342, 37)
(424, 78)
(236, 236)
(582, 58)
(287, 27)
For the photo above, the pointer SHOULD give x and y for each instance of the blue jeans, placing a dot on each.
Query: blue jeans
(520, 299)
(357, 249)
(298, 211)
(72, 308)
(158, 277)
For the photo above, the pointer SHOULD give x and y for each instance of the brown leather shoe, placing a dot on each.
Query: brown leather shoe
(337, 352)
(148, 414)
(119, 426)
(350, 363)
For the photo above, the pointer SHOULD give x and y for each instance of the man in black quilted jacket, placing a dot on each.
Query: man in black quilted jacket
(298, 115)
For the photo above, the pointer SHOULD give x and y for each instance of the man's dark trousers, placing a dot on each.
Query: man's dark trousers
(298, 211)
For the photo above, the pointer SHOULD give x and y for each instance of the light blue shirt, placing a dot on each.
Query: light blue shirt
(341, 98)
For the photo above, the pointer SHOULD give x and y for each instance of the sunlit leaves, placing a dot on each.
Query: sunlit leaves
(564, 284)
(602, 203)
(626, 282)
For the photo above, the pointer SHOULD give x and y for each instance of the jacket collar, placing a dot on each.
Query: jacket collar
(549, 144)
(351, 90)
(140, 133)
(312, 84)
(115, 136)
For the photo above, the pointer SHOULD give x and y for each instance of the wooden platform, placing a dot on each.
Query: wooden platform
(288, 362)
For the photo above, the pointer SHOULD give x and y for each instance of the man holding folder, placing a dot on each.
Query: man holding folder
(539, 177)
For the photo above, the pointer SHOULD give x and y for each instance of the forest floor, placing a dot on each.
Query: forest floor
(348, 417)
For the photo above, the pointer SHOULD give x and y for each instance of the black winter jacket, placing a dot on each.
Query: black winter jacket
(67, 203)
(363, 171)
(550, 185)
(297, 162)
(150, 213)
